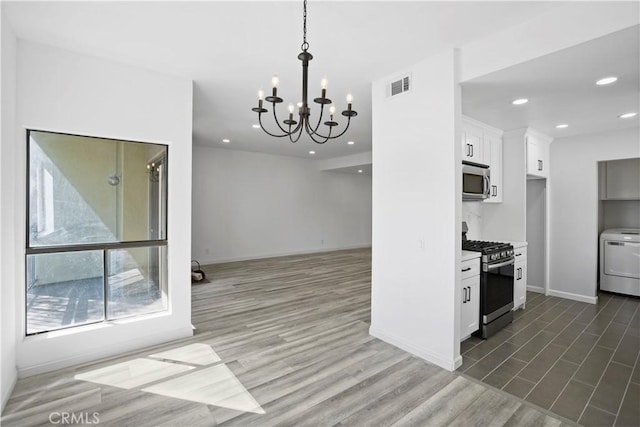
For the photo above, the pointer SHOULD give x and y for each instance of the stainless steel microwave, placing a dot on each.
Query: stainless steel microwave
(476, 181)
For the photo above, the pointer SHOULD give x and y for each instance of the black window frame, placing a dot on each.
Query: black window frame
(104, 247)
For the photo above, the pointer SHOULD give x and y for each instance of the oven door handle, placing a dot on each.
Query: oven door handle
(511, 261)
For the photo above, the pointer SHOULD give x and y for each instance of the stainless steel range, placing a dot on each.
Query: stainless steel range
(496, 283)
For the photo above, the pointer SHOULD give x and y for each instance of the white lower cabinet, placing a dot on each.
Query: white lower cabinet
(470, 298)
(520, 278)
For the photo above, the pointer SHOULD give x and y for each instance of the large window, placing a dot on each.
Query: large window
(96, 230)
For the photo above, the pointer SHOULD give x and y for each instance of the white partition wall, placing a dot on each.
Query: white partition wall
(61, 91)
(574, 208)
(416, 211)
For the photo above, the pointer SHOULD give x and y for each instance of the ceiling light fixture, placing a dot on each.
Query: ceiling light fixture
(562, 126)
(359, 170)
(312, 152)
(520, 101)
(606, 81)
(256, 126)
(627, 115)
(304, 112)
(350, 142)
(226, 141)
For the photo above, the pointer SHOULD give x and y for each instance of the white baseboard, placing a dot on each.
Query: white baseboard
(574, 297)
(280, 254)
(7, 392)
(429, 356)
(96, 354)
(537, 289)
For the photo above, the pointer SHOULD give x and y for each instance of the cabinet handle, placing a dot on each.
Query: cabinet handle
(539, 165)
(518, 254)
(464, 296)
(466, 269)
(471, 146)
(495, 190)
(469, 293)
(466, 153)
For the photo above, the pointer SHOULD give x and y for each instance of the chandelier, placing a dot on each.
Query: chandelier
(293, 128)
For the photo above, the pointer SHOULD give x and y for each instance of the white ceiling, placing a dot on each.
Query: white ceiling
(561, 89)
(231, 49)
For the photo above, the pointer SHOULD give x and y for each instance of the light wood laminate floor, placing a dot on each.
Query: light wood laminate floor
(281, 341)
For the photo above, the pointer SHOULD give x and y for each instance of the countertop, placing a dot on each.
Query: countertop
(469, 255)
(518, 244)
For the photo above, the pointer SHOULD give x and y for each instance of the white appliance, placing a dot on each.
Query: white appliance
(620, 261)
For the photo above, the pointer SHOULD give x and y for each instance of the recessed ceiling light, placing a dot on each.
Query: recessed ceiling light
(312, 152)
(627, 115)
(359, 170)
(350, 142)
(255, 126)
(520, 101)
(226, 141)
(606, 81)
(562, 126)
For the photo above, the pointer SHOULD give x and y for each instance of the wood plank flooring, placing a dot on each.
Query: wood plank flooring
(575, 359)
(294, 332)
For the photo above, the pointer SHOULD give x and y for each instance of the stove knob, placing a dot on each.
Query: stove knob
(510, 253)
(493, 256)
(503, 254)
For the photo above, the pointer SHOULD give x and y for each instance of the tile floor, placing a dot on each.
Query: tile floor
(577, 360)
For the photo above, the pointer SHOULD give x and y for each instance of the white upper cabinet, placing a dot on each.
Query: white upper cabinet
(482, 144)
(472, 143)
(537, 155)
(493, 157)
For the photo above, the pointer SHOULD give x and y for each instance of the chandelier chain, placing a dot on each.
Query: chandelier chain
(305, 45)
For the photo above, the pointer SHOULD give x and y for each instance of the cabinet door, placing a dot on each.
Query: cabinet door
(520, 284)
(472, 145)
(470, 311)
(493, 157)
(537, 157)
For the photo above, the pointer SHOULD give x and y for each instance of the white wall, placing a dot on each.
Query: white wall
(62, 91)
(417, 211)
(472, 213)
(251, 205)
(8, 264)
(536, 216)
(507, 220)
(620, 214)
(573, 207)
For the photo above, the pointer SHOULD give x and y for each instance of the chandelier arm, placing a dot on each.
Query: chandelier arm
(312, 135)
(319, 119)
(294, 140)
(345, 129)
(330, 129)
(266, 131)
(275, 118)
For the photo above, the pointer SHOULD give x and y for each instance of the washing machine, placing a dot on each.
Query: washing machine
(620, 261)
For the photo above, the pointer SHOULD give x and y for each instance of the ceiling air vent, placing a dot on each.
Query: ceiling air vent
(399, 86)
